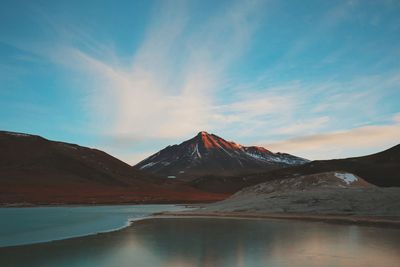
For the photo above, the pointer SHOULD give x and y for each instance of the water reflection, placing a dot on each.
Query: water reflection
(218, 242)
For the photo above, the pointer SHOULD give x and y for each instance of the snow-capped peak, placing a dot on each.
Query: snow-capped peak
(210, 154)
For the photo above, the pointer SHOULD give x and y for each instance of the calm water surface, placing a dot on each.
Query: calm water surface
(33, 225)
(189, 242)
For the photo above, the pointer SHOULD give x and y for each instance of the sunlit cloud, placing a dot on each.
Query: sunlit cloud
(167, 91)
(368, 139)
(191, 69)
(304, 126)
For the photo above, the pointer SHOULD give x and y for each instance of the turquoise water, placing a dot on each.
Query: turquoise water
(33, 225)
(206, 242)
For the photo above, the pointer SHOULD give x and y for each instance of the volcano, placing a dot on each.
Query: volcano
(209, 154)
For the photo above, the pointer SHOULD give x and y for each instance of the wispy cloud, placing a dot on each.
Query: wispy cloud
(177, 78)
(167, 91)
(299, 108)
(367, 139)
(304, 126)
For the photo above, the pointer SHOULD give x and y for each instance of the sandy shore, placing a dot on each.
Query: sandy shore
(378, 221)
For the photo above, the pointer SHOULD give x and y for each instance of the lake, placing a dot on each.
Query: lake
(33, 225)
(189, 242)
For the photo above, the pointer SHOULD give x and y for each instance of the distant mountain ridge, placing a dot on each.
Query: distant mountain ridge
(380, 169)
(207, 154)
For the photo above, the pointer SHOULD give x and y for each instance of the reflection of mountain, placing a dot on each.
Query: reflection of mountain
(207, 154)
(209, 242)
(217, 242)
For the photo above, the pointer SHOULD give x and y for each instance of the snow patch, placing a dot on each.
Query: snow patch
(68, 146)
(348, 178)
(196, 150)
(148, 165)
(229, 154)
(17, 134)
(256, 156)
(275, 158)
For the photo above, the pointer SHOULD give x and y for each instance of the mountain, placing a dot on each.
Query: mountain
(381, 169)
(39, 171)
(207, 154)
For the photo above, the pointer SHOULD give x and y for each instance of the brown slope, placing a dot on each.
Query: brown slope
(381, 169)
(37, 170)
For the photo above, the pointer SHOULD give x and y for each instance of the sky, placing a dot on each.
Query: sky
(318, 79)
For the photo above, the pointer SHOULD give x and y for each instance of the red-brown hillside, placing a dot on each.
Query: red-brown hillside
(39, 171)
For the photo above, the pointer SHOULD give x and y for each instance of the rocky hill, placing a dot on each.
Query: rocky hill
(331, 193)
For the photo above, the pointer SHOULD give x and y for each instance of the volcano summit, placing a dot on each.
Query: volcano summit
(209, 154)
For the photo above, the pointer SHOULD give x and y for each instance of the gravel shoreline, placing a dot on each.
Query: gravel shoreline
(378, 221)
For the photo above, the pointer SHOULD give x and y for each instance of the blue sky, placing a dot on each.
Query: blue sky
(319, 79)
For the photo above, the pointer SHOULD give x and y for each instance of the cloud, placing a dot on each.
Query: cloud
(396, 118)
(179, 81)
(357, 141)
(167, 89)
(304, 126)
(252, 106)
(299, 108)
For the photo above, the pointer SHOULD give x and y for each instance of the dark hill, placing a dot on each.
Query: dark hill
(381, 169)
(36, 170)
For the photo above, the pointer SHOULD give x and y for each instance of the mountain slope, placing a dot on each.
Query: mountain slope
(209, 154)
(381, 169)
(37, 170)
